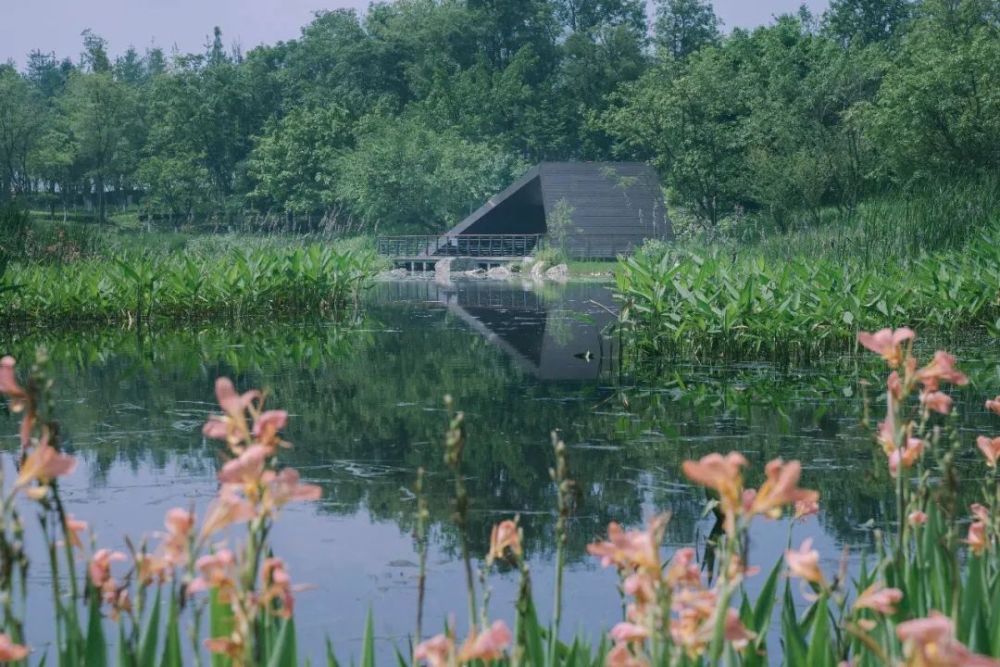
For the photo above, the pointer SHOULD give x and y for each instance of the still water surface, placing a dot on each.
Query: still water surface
(367, 410)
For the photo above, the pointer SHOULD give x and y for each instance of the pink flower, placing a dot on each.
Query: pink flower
(436, 651)
(277, 586)
(917, 518)
(941, 369)
(43, 465)
(267, 425)
(628, 633)
(735, 632)
(633, 549)
(980, 512)
(9, 651)
(232, 428)
(887, 343)
(231, 402)
(487, 645)
(284, 487)
(977, 539)
(216, 429)
(9, 386)
(907, 457)
(620, 656)
(804, 562)
(227, 509)
(880, 599)
(505, 535)
(931, 642)
(780, 489)
(990, 447)
(179, 523)
(804, 508)
(936, 401)
(18, 398)
(993, 405)
(215, 571)
(100, 566)
(723, 474)
(247, 468)
(683, 569)
(895, 386)
(231, 646)
(73, 529)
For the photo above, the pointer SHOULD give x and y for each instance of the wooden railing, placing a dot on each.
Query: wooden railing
(583, 246)
(459, 245)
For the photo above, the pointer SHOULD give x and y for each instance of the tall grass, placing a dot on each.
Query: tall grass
(214, 281)
(947, 215)
(805, 304)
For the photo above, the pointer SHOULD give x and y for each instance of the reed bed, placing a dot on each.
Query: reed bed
(233, 282)
(216, 585)
(725, 304)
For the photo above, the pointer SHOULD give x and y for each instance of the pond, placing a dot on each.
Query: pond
(367, 411)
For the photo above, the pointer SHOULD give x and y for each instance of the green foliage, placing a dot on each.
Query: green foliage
(716, 303)
(14, 231)
(685, 26)
(296, 163)
(216, 282)
(404, 175)
(411, 113)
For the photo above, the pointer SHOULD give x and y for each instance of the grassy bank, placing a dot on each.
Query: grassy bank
(931, 260)
(74, 274)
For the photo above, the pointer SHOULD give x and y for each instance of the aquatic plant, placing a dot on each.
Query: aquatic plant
(719, 304)
(196, 566)
(931, 595)
(234, 284)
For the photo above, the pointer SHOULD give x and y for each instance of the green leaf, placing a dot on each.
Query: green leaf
(96, 649)
(331, 657)
(820, 650)
(765, 604)
(150, 636)
(368, 642)
(795, 643)
(172, 643)
(220, 623)
(283, 653)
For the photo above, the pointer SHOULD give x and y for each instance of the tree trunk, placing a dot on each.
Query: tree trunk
(100, 199)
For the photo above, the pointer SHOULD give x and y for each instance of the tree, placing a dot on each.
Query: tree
(47, 74)
(937, 111)
(404, 175)
(690, 125)
(100, 112)
(685, 26)
(865, 21)
(295, 164)
(95, 52)
(21, 123)
(579, 16)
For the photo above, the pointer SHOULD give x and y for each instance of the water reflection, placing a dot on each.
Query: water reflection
(367, 411)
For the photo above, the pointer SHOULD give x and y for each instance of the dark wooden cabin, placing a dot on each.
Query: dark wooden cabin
(612, 207)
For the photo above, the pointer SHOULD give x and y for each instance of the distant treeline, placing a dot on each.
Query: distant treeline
(409, 115)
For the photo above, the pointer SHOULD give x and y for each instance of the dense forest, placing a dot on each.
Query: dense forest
(409, 115)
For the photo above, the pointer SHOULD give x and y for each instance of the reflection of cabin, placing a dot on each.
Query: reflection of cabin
(555, 337)
(592, 210)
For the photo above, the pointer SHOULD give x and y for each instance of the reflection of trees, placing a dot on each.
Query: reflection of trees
(366, 408)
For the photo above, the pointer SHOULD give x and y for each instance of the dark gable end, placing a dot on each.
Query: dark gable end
(611, 207)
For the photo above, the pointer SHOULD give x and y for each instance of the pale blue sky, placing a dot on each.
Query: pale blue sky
(55, 25)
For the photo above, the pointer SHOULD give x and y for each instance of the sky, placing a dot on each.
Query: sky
(55, 25)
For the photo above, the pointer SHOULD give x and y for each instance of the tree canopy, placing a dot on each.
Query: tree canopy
(410, 114)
